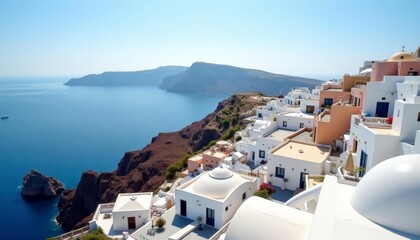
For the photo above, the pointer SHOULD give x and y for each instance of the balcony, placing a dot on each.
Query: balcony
(373, 122)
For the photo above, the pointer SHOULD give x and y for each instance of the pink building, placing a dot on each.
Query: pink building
(399, 64)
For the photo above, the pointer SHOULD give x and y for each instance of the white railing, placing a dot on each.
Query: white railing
(219, 233)
(103, 208)
(73, 234)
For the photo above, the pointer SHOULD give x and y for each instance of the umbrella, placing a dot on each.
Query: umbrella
(350, 163)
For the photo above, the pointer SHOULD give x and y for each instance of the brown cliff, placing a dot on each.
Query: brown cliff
(37, 186)
(145, 170)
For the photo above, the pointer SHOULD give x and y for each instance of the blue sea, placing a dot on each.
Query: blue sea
(63, 131)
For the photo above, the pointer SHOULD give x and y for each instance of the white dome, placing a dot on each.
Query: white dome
(389, 194)
(218, 183)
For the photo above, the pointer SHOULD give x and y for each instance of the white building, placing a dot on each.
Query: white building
(131, 210)
(369, 135)
(272, 108)
(260, 137)
(214, 196)
(293, 160)
(295, 96)
(384, 205)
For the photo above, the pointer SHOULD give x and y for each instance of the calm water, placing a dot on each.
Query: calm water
(63, 131)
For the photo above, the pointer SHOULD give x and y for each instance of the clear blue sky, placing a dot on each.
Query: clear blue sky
(305, 38)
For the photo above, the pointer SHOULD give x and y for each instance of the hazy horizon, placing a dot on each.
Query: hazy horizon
(299, 38)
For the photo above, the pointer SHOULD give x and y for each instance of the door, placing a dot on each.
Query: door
(183, 208)
(131, 222)
(382, 109)
(302, 180)
(210, 217)
(363, 161)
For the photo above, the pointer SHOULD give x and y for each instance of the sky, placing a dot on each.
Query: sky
(302, 38)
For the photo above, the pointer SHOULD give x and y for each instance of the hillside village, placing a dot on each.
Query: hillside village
(338, 161)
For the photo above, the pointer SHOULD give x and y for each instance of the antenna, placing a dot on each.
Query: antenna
(402, 48)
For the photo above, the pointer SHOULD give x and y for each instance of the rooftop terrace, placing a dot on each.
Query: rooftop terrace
(302, 151)
(174, 224)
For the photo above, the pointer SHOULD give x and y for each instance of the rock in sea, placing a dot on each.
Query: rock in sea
(37, 186)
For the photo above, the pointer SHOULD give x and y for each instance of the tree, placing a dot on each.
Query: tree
(356, 172)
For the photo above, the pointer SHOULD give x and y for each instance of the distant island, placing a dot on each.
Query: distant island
(152, 77)
(215, 79)
(201, 77)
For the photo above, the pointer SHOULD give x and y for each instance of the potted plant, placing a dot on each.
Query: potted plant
(160, 222)
(200, 224)
(283, 186)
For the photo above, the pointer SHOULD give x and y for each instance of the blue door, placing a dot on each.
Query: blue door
(363, 160)
(382, 109)
(210, 217)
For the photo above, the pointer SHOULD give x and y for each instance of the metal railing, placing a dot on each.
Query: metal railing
(73, 234)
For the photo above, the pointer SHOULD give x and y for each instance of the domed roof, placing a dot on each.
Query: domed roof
(389, 194)
(401, 56)
(218, 183)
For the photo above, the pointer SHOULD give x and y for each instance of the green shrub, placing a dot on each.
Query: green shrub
(238, 138)
(97, 234)
(225, 123)
(211, 143)
(230, 133)
(262, 193)
(177, 167)
(160, 222)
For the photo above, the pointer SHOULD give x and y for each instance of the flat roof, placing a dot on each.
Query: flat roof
(216, 154)
(299, 114)
(304, 137)
(279, 134)
(335, 218)
(195, 158)
(133, 201)
(326, 117)
(382, 131)
(303, 152)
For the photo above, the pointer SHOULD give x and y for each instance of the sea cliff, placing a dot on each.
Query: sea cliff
(145, 170)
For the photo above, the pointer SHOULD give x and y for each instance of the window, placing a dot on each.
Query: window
(328, 101)
(226, 208)
(279, 172)
(301, 125)
(253, 155)
(259, 115)
(418, 117)
(284, 123)
(243, 196)
(262, 154)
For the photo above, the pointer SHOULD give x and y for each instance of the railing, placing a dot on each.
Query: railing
(217, 235)
(73, 234)
(376, 122)
(101, 207)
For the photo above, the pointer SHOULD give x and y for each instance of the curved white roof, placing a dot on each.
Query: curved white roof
(258, 218)
(389, 194)
(218, 183)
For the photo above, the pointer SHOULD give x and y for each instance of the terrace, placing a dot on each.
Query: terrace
(176, 227)
(372, 122)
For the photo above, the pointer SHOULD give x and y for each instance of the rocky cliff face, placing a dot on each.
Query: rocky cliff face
(145, 170)
(37, 186)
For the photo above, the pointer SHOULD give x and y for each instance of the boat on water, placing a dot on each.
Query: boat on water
(4, 117)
